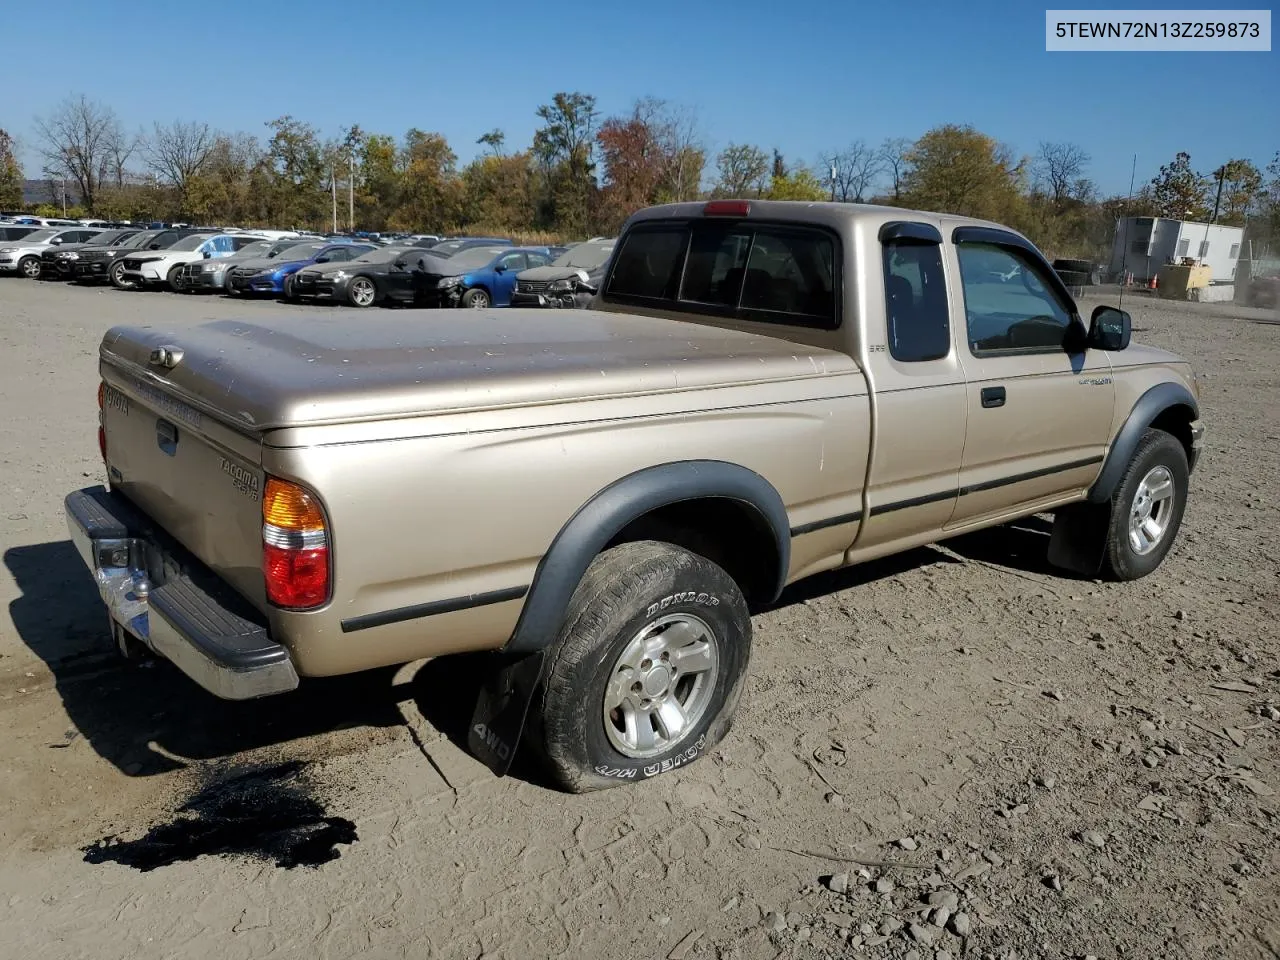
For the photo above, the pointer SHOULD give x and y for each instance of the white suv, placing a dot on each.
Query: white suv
(23, 256)
(165, 266)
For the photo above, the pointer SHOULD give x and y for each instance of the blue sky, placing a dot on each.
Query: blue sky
(802, 77)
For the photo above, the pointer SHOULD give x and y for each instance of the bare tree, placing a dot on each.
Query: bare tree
(853, 170)
(1057, 167)
(75, 141)
(678, 139)
(743, 168)
(120, 147)
(893, 155)
(178, 152)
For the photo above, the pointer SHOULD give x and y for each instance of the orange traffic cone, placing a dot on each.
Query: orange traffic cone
(1154, 284)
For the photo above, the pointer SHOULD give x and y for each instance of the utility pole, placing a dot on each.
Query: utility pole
(351, 190)
(333, 183)
(1221, 174)
(64, 197)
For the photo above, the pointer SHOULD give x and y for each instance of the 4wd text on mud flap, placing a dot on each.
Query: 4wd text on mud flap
(492, 742)
(688, 596)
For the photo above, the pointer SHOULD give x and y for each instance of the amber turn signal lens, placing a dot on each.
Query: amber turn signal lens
(102, 389)
(289, 507)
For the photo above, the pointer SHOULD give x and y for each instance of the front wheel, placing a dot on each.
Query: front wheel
(175, 279)
(29, 267)
(476, 299)
(287, 293)
(1147, 508)
(118, 279)
(647, 670)
(361, 292)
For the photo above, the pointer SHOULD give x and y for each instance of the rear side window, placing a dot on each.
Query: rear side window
(915, 302)
(766, 273)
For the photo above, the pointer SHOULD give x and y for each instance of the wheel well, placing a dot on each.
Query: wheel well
(1176, 420)
(729, 533)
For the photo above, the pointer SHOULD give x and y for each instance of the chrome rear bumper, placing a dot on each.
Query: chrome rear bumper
(164, 597)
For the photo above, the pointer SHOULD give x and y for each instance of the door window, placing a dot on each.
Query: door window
(512, 261)
(1009, 305)
(915, 300)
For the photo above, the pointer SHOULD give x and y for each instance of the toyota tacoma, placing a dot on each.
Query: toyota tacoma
(761, 391)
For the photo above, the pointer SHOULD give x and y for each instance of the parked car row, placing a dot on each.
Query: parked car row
(420, 270)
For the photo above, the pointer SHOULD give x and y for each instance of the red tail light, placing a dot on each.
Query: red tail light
(295, 546)
(726, 208)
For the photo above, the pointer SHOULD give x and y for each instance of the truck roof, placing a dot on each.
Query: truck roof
(822, 213)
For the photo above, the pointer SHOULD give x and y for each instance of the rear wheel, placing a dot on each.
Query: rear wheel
(1147, 508)
(477, 299)
(361, 292)
(29, 267)
(647, 670)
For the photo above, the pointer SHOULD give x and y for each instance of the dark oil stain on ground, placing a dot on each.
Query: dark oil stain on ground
(266, 813)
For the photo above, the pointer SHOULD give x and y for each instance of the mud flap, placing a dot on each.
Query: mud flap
(502, 707)
(1079, 537)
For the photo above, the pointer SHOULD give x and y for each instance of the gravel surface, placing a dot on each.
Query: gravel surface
(954, 753)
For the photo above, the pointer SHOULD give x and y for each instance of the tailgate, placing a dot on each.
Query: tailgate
(194, 475)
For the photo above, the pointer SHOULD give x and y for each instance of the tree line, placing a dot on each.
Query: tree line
(583, 174)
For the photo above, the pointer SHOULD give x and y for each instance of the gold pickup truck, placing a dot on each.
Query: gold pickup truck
(761, 391)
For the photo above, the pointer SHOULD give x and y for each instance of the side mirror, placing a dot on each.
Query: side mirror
(499, 269)
(322, 259)
(208, 254)
(1109, 328)
(584, 287)
(55, 239)
(154, 246)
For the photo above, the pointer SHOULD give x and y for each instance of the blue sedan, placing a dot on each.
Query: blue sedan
(273, 275)
(485, 277)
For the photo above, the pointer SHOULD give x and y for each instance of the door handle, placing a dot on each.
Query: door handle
(993, 396)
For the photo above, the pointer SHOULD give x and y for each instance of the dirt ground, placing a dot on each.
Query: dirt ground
(954, 741)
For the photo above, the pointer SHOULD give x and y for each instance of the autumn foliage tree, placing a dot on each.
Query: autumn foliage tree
(10, 173)
(956, 169)
(646, 158)
(1179, 191)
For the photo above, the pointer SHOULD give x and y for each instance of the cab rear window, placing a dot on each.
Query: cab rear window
(764, 272)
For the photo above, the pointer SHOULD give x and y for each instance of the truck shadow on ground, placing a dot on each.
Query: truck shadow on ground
(140, 716)
(148, 718)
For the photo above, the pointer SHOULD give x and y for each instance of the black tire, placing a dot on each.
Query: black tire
(1121, 559)
(477, 298)
(175, 284)
(116, 275)
(29, 267)
(286, 293)
(626, 589)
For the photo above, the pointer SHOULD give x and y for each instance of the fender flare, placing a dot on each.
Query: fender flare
(601, 518)
(1150, 405)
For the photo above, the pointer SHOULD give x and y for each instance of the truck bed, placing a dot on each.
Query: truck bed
(307, 370)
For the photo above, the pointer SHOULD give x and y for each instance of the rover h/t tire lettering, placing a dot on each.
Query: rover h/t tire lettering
(647, 670)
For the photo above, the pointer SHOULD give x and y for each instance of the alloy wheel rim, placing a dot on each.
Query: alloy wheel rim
(660, 686)
(479, 302)
(1151, 511)
(362, 292)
